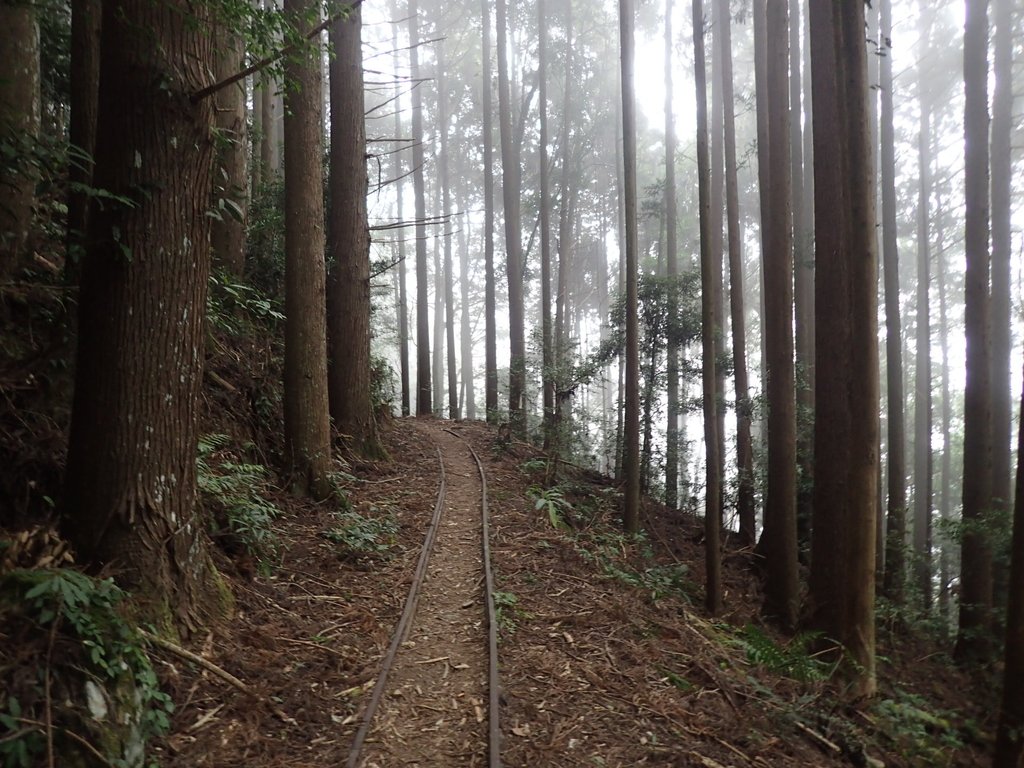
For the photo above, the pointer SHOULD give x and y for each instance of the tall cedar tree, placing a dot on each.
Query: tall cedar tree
(510, 174)
(547, 351)
(1002, 172)
(569, 185)
(631, 400)
(446, 211)
(129, 498)
(424, 392)
(974, 631)
(399, 176)
(712, 494)
(672, 269)
(716, 211)
(348, 288)
(1010, 736)
(896, 529)
(466, 334)
(846, 427)
(19, 127)
(227, 237)
(307, 429)
(744, 448)
(490, 302)
(923, 364)
(779, 542)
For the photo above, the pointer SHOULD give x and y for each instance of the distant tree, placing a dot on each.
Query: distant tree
(569, 185)
(307, 433)
(446, 213)
(846, 424)
(424, 392)
(129, 497)
(975, 624)
(490, 342)
(230, 177)
(672, 269)
(896, 529)
(348, 287)
(465, 332)
(923, 366)
(712, 492)
(744, 449)
(510, 173)
(399, 175)
(271, 118)
(20, 106)
(631, 404)
(1010, 736)
(779, 538)
(547, 350)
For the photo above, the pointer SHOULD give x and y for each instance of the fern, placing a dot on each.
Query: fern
(793, 660)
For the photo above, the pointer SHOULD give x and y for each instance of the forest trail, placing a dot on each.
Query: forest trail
(434, 709)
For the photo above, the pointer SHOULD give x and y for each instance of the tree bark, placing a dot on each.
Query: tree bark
(547, 350)
(563, 393)
(846, 347)
(307, 434)
(129, 500)
(490, 342)
(84, 92)
(399, 176)
(424, 391)
(672, 269)
(975, 624)
(631, 405)
(348, 288)
(446, 213)
(227, 237)
(896, 528)
(780, 544)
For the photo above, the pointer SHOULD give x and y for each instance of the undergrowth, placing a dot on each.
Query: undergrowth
(360, 536)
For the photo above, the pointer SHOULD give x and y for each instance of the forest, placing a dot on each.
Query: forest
(554, 383)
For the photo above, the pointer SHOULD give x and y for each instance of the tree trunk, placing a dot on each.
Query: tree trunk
(923, 366)
(946, 466)
(399, 176)
(744, 449)
(348, 288)
(129, 499)
(1010, 736)
(424, 393)
(307, 432)
(490, 342)
(973, 637)
(896, 529)
(672, 269)
(547, 351)
(716, 211)
(20, 106)
(466, 334)
(780, 544)
(227, 236)
(271, 118)
(712, 494)
(846, 348)
(631, 405)
(446, 224)
(563, 394)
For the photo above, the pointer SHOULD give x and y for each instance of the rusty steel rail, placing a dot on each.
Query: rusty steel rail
(404, 623)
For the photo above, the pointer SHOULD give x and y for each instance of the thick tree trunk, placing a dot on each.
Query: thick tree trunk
(307, 433)
(19, 129)
(227, 236)
(424, 391)
(490, 342)
(130, 485)
(974, 631)
(631, 405)
(547, 350)
(780, 544)
(846, 349)
(510, 173)
(712, 491)
(896, 529)
(348, 288)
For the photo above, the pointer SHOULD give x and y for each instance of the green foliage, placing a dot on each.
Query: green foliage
(265, 258)
(363, 535)
(507, 612)
(793, 660)
(608, 550)
(235, 492)
(382, 385)
(922, 735)
(232, 305)
(108, 650)
(554, 503)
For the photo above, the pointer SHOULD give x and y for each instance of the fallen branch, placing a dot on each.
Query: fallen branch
(220, 672)
(821, 740)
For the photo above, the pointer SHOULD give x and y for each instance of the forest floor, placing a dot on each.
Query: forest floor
(606, 657)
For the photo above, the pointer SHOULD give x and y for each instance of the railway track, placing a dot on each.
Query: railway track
(407, 622)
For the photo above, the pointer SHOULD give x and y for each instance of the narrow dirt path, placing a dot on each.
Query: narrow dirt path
(434, 711)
